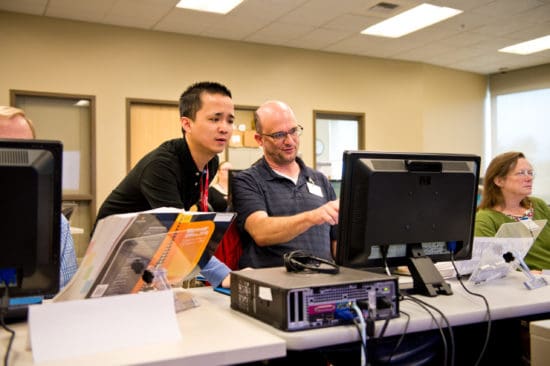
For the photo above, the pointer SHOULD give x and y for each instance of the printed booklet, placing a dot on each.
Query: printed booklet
(167, 241)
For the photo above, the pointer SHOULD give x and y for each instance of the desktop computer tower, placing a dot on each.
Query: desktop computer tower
(293, 301)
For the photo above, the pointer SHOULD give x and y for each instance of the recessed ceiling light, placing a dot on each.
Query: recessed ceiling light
(215, 6)
(411, 20)
(528, 47)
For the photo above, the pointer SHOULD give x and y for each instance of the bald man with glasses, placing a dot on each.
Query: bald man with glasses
(282, 204)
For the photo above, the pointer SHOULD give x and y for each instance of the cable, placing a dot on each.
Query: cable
(362, 331)
(299, 260)
(422, 304)
(488, 335)
(3, 310)
(384, 252)
(386, 322)
(449, 328)
(3, 324)
(400, 340)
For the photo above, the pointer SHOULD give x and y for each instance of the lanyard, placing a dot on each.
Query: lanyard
(203, 202)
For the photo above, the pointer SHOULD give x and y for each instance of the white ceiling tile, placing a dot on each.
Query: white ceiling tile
(350, 22)
(139, 13)
(319, 39)
(187, 21)
(505, 8)
(234, 28)
(265, 9)
(530, 32)
(283, 31)
(468, 41)
(88, 11)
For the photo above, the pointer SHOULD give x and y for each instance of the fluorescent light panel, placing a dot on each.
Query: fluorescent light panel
(411, 20)
(211, 6)
(528, 47)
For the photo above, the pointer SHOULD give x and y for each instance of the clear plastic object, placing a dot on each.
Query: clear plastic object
(532, 282)
(492, 265)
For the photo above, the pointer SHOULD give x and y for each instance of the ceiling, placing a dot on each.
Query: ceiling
(466, 42)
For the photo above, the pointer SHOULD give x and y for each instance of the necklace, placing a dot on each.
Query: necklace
(528, 214)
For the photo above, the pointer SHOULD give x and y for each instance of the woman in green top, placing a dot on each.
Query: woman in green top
(507, 187)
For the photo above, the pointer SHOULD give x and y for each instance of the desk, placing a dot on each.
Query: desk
(507, 298)
(212, 333)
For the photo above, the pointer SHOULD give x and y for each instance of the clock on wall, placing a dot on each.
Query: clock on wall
(319, 147)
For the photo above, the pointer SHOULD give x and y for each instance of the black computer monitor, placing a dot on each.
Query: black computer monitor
(407, 209)
(30, 200)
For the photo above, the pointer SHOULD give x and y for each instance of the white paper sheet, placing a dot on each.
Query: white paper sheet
(69, 329)
(71, 170)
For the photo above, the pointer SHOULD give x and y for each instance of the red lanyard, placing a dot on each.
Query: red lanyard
(204, 192)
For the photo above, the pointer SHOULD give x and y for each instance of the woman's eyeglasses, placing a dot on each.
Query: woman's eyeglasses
(525, 173)
(281, 136)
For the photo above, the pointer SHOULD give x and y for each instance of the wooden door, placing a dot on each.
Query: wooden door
(150, 125)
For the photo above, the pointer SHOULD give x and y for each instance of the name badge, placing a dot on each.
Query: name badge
(530, 224)
(314, 189)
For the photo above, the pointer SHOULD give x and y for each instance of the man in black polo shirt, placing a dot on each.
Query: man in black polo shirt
(282, 205)
(177, 173)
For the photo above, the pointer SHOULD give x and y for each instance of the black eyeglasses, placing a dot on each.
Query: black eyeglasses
(281, 135)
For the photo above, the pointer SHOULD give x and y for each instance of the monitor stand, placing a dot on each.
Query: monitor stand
(427, 279)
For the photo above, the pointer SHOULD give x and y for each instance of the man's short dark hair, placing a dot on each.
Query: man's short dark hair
(190, 100)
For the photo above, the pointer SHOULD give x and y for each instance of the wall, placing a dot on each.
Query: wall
(408, 106)
(531, 78)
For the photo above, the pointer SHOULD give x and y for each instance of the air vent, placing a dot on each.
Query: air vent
(384, 6)
(14, 157)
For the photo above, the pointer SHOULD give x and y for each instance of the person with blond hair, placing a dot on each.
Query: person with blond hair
(14, 124)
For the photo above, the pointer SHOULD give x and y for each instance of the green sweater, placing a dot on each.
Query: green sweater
(488, 222)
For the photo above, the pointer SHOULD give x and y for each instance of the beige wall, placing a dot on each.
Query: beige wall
(408, 106)
(531, 78)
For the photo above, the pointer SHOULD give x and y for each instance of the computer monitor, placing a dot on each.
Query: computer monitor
(30, 199)
(407, 209)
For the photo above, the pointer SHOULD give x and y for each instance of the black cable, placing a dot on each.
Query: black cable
(12, 337)
(3, 311)
(299, 260)
(488, 335)
(449, 328)
(443, 338)
(386, 322)
(400, 340)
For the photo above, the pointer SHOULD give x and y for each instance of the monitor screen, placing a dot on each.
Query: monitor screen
(398, 206)
(30, 196)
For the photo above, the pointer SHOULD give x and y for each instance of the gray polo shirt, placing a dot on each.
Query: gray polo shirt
(259, 188)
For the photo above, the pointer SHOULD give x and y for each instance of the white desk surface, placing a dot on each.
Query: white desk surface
(212, 333)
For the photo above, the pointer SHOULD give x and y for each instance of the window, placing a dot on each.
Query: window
(336, 132)
(521, 122)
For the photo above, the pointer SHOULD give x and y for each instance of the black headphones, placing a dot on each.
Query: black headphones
(298, 261)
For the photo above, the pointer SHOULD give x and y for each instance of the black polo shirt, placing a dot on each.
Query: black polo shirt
(165, 177)
(259, 188)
